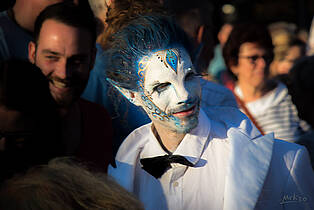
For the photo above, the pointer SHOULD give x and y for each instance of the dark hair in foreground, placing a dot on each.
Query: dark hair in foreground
(64, 185)
(25, 90)
(301, 86)
(69, 14)
(23, 87)
(142, 36)
(243, 33)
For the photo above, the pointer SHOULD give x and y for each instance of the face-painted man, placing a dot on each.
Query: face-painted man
(169, 90)
(166, 86)
(186, 158)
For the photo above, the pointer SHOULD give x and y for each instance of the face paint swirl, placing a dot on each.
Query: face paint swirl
(169, 89)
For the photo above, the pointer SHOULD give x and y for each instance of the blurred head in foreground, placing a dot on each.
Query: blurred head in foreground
(64, 185)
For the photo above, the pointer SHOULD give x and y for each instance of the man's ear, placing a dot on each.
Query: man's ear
(131, 95)
(31, 52)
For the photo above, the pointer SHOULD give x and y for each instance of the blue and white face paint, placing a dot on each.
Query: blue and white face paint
(169, 89)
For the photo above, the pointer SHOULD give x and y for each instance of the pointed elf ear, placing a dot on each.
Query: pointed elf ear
(128, 94)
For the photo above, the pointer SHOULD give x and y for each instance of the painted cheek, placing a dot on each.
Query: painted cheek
(194, 88)
(162, 100)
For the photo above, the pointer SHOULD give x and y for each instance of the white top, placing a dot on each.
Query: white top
(235, 168)
(275, 112)
(173, 190)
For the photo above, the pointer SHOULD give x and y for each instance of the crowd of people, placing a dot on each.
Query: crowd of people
(128, 104)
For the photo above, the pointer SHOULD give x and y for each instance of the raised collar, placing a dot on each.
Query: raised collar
(248, 167)
(191, 147)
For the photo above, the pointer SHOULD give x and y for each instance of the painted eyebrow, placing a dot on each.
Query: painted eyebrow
(155, 83)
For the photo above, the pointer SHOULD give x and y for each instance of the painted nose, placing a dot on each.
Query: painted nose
(182, 95)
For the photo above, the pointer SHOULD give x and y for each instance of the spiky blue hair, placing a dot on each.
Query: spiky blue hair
(141, 37)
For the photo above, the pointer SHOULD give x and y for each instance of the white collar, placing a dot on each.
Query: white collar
(191, 147)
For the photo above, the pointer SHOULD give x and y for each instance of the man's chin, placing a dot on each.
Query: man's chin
(188, 127)
(182, 126)
(64, 101)
(64, 104)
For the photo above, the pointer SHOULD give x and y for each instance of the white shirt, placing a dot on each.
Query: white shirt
(181, 187)
(235, 167)
(275, 112)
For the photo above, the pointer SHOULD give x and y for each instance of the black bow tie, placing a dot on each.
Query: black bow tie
(157, 166)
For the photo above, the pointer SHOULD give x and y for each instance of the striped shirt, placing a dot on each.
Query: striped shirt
(275, 112)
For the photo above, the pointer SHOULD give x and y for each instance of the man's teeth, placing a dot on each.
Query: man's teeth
(59, 84)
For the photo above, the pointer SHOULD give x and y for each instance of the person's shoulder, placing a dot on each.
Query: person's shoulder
(128, 155)
(90, 105)
(4, 15)
(214, 94)
(100, 62)
(134, 143)
(138, 136)
(231, 116)
(6, 21)
(92, 109)
(213, 86)
(288, 150)
(228, 118)
(4, 50)
(285, 145)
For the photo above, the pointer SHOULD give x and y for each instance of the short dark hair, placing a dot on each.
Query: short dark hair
(69, 14)
(242, 33)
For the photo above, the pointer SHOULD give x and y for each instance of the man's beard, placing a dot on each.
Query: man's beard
(75, 84)
(67, 98)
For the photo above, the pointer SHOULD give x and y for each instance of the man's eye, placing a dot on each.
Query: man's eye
(77, 61)
(51, 57)
(161, 87)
